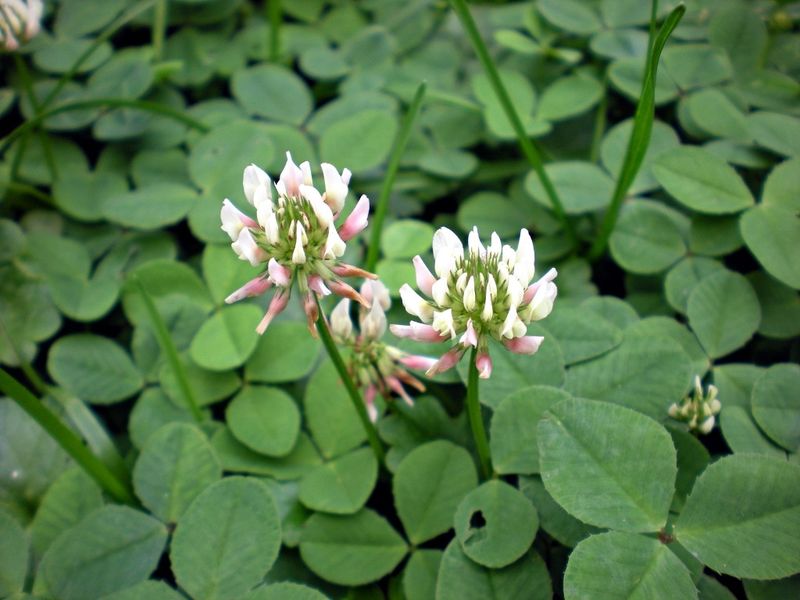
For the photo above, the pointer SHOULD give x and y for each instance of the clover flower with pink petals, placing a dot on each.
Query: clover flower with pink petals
(375, 366)
(294, 237)
(473, 296)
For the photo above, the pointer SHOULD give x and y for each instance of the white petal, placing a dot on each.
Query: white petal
(299, 255)
(443, 323)
(447, 250)
(415, 304)
(474, 244)
(253, 178)
(469, 295)
(439, 292)
(334, 246)
(231, 222)
(321, 210)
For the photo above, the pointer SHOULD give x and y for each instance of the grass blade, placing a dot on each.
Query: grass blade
(66, 438)
(170, 351)
(528, 147)
(642, 127)
(382, 206)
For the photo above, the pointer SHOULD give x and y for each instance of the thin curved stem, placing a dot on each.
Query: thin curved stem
(355, 396)
(476, 419)
(526, 145)
(170, 351)
(642, 127)
(66, 438)
(382, 206)
(153, 107)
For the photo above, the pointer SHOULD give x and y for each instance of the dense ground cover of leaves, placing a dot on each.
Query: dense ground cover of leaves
(270, 490)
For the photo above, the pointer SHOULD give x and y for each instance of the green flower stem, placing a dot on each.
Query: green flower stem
(642, 126)
(170, 351)
(275, 21)
(476, 419)
(66, 438)
(382, 205)
(355, 396)
(526, 145)
(153, 107)
(159, 29)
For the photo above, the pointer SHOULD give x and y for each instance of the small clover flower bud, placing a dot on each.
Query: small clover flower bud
(699, 409)
(341, 324)
(373, 323)
(484, 363)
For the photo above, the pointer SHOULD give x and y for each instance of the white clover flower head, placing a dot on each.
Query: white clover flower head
(481, 293)
(699, 409)
(294, 236)
(19, 21)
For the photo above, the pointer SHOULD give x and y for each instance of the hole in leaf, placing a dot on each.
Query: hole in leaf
(476, 521)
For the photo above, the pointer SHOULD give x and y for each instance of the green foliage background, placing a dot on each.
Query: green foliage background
(126, 124)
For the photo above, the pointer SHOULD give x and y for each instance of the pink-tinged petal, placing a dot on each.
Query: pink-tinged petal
(357, 221)
(292, 177)
(345, 270)
(276, 306)
(247, 248)
(417, 361)
(470, 337)
(316, 284)
(418, 332)
(484, 364)
(233, 220)
(369, 400)
(279, 274)
(375, 290)
(335, 186)
(425, 278)
(344, 290)
(312, 312)
(448, 360)
(530, 292)
(528, 344)
(254, 287)
(397, 388)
